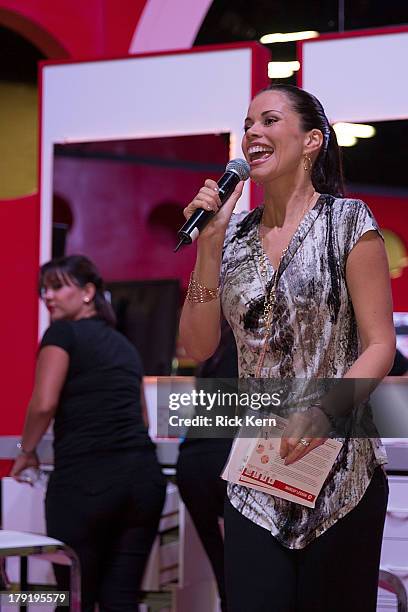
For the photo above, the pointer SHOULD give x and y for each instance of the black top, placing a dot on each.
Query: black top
(99, 409)
(400, 365)
(222, 364)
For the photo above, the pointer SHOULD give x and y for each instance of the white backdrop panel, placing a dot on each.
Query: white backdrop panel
(141, 97)
(146, 97)
(361, 78)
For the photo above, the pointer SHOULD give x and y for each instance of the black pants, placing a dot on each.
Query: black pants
(337, 572)
(199, 467)
(109, 515)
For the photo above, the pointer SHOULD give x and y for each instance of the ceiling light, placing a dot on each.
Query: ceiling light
(282, 70)
(347, 133)
(280, 37)
(346, 140)
(360, 130)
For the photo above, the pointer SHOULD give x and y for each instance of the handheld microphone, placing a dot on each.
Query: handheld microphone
(236, 170)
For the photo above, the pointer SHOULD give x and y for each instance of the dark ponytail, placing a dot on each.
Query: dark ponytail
(327, 172)
(79, 270)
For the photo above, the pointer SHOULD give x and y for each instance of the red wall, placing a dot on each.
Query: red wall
(112, 202)
(67, 28)
(392, 214)
(18, 221)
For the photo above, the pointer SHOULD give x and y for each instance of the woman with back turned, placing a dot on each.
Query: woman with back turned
(106, 492)
(303, 282)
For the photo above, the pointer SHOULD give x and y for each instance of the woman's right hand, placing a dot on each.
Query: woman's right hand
(208, 199)
(23, 462)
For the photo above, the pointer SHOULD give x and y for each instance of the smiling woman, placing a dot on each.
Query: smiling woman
(286, 327)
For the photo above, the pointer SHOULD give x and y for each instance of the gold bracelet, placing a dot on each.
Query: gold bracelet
(198, 293)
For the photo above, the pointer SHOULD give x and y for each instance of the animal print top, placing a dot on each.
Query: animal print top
(313, 335)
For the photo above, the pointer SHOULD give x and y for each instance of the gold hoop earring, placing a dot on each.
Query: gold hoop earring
(307, 162)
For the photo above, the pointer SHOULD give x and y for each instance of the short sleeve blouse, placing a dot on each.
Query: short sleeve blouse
(313, 335)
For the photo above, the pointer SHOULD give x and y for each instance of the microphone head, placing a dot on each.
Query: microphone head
(240, 167)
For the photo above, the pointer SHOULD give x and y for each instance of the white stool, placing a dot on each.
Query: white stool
(390, 582)
(19, 544)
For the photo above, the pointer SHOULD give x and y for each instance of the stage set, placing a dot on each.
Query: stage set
(103, 120)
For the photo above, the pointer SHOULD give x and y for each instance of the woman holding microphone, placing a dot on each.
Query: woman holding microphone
(294, 279)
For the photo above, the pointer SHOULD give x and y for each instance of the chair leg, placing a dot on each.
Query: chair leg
(75, 579)
(392, 583)
(23, 579)
(4, 582)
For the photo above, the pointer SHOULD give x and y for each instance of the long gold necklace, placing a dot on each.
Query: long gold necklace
(270, 296)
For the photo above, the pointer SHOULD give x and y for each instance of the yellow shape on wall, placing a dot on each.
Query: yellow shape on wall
(397, 253)
(18, 139)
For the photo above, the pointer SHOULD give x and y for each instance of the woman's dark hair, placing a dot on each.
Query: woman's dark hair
(80, 271)
(327, 172)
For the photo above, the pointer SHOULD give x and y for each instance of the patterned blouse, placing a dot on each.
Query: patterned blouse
(313, 335)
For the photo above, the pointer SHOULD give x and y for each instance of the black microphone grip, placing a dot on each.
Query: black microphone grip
(201, 217)
(237, 170)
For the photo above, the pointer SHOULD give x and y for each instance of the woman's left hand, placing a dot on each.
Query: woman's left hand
(303, 433)
(22, 462)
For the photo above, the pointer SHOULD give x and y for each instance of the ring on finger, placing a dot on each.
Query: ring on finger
(304, 442)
